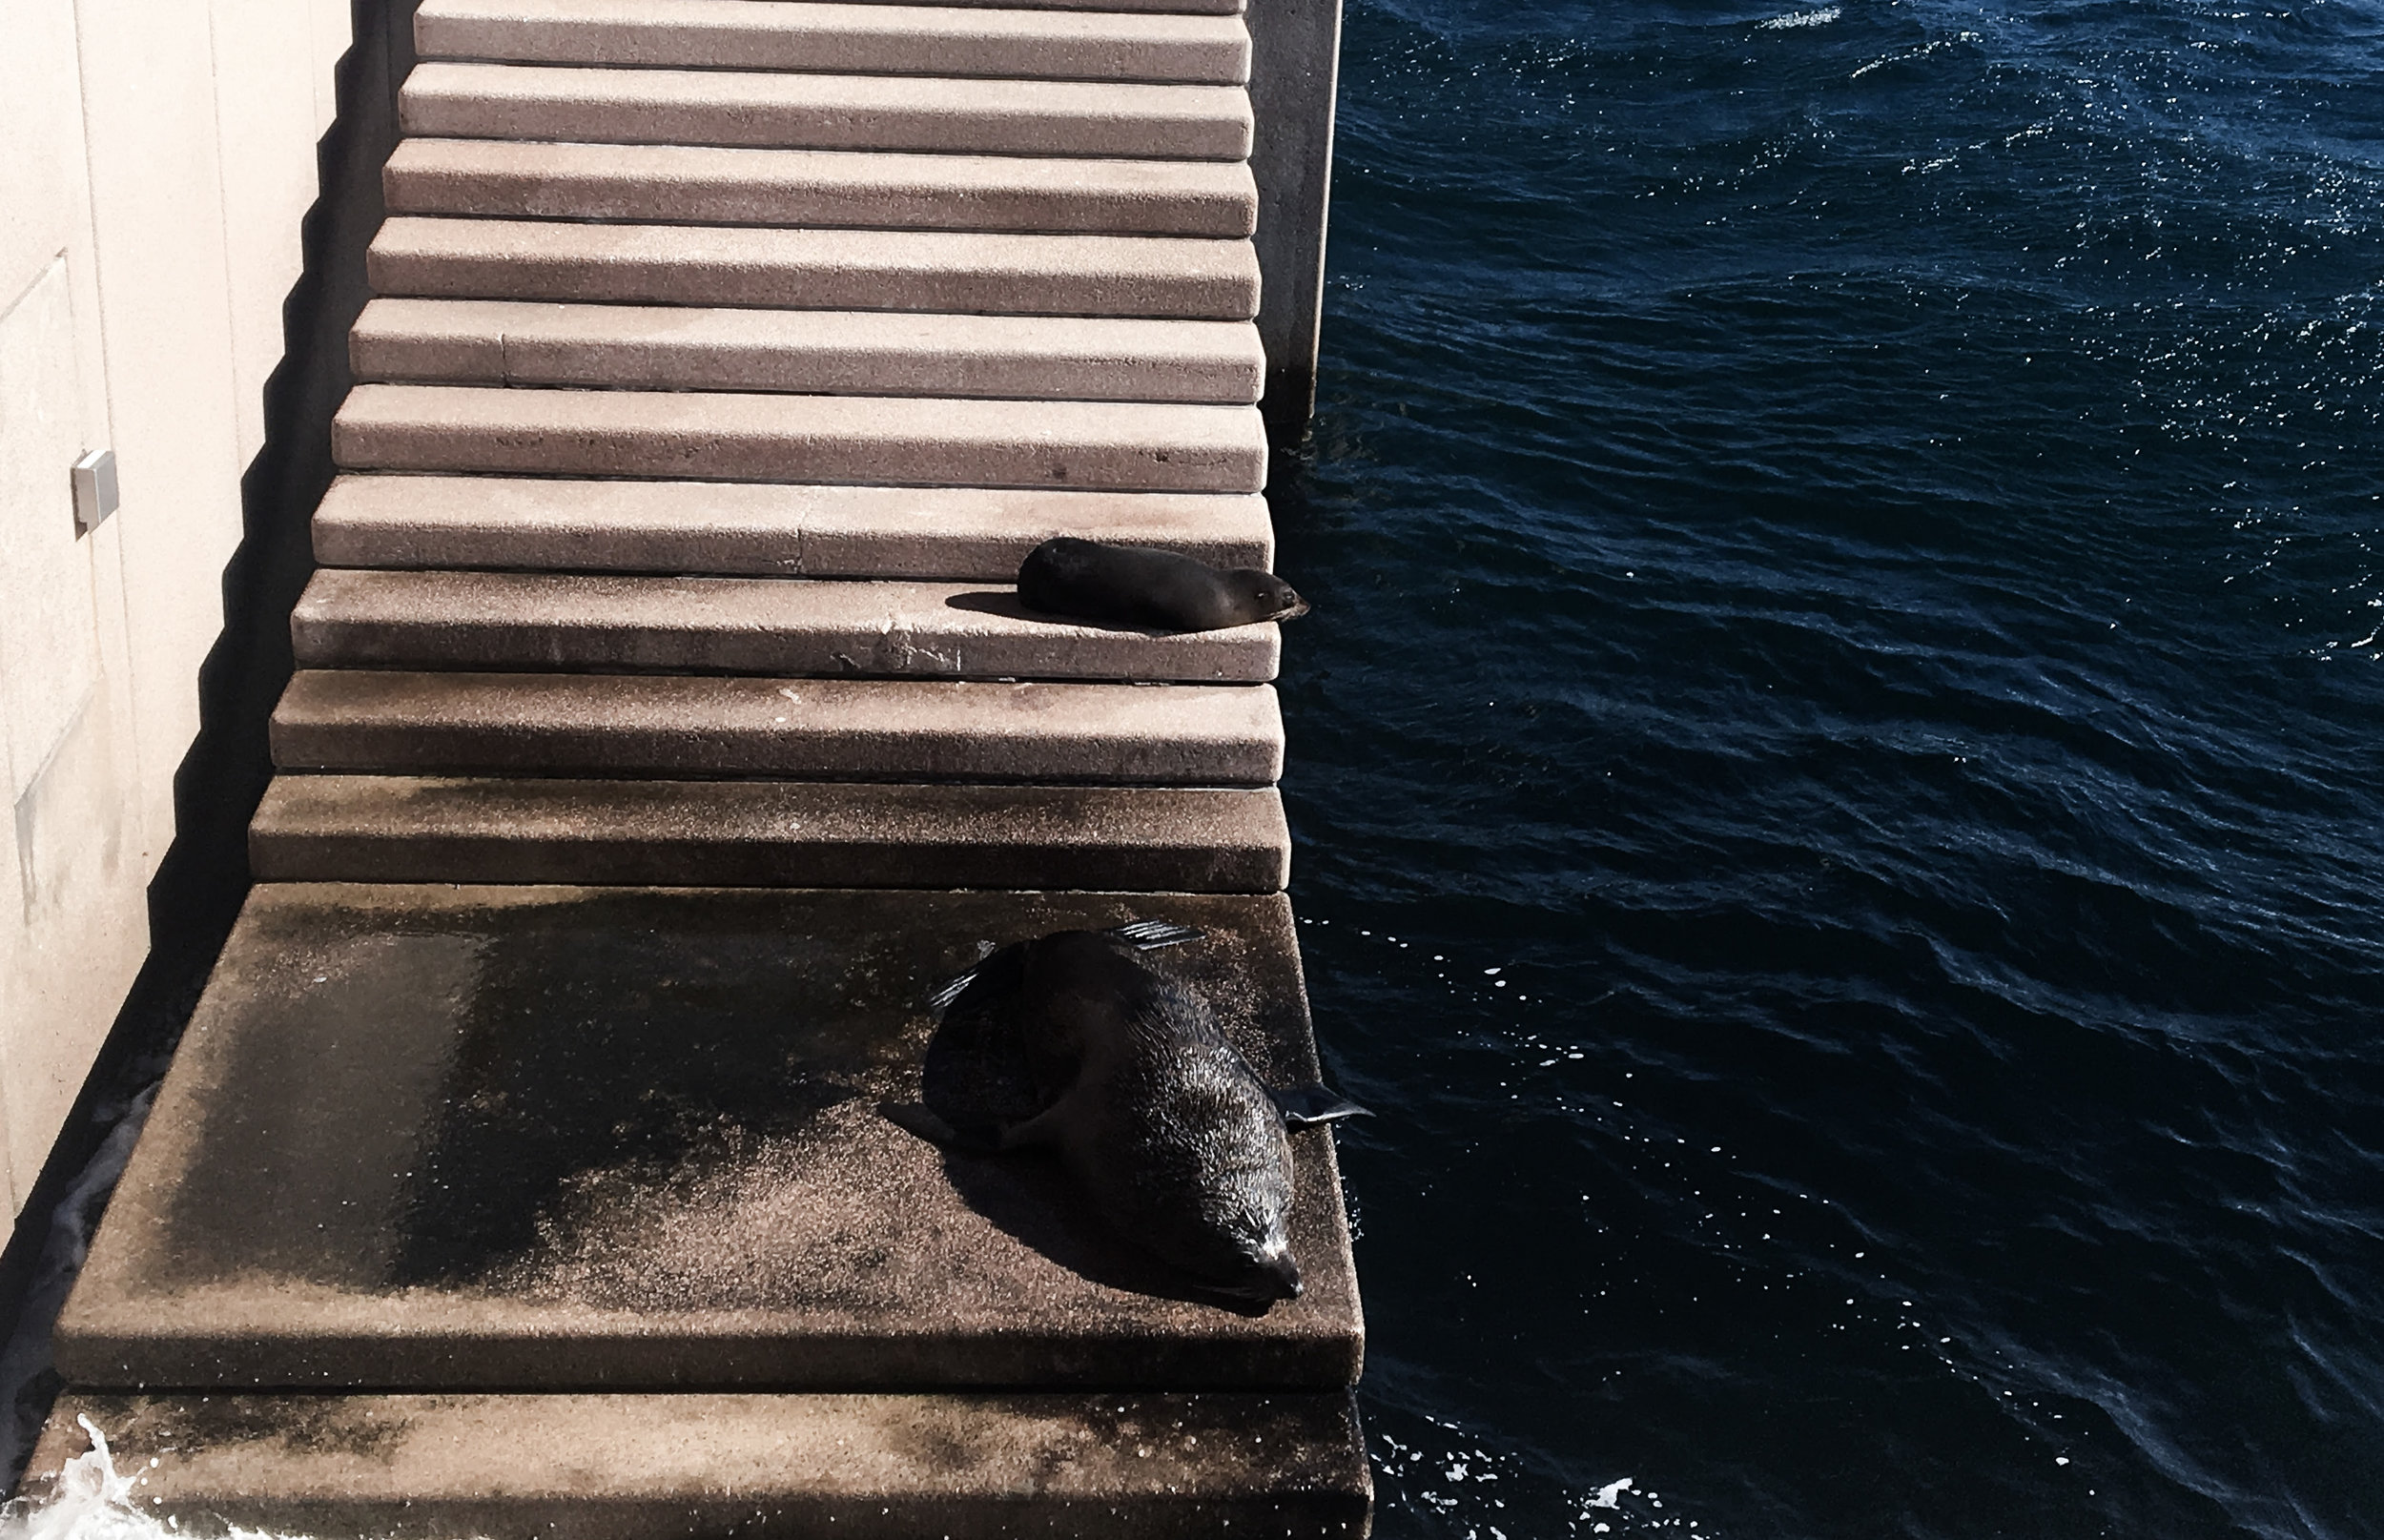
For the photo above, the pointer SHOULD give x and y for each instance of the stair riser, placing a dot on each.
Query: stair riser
(666, 185)
(504, 622)
(1296, 1515)
(967, 535)
(509, 644)
(889, 441)
(426, 857)
(667, 265)
(470, 723)
(362, 829)
(857, 39)
(809, 111)
(1130, 1466)
(973, 758)
(835, 352)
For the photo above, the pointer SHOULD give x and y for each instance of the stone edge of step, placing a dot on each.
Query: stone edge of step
(769, 833)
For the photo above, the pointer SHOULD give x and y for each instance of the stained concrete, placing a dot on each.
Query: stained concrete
(967, 1466)
(499, 621)
(430, 829)
(964, 533)
(385, 720)
(845, 270)
(1016, 42)
(574, 1139)
(826, 352)
(1123, 446)
(826, 112)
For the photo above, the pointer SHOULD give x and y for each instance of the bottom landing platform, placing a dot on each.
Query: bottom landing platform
(568, 1211)
(559, 1138)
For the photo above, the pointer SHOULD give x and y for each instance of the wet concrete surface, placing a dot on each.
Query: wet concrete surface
(632, 1467)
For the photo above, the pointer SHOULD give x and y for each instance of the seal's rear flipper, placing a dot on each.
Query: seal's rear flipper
(916, 1118)
(941, 1000)
(1306, 1105)
(1149, 935)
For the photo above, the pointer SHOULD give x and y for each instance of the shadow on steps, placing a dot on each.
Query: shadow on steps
(204, 875)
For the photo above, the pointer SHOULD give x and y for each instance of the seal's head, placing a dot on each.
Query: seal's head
(1233, 1231)
(1264, 596)
(1274, 1275)
(1246, 1255)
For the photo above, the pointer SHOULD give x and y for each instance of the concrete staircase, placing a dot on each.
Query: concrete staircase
(833, 249)
(665, 728)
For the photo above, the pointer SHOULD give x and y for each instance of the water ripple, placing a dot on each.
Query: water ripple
(1834, 763)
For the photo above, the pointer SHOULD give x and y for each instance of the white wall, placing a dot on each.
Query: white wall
(155, 159)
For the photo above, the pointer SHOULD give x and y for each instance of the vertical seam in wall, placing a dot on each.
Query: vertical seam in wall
(91, 222)
(223, 226)
(117, 530)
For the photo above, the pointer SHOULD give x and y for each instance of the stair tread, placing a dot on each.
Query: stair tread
(1128, 447)
(955, 533)
(871, 38)
(500, 621)
(769, 833)
(1113, 1465)
(495, 1178)
(826, 112)
(809, 352)
(453, 723)
(844, 271)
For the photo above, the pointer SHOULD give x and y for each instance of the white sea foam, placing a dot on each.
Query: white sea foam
(1610, 1495)
(91, 1501)
(1802, 18)
(25, 1357)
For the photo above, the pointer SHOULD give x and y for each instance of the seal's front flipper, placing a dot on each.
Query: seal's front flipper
(918, 1118)
(1045, 1127)
(1305, 1107)
(1149, 935)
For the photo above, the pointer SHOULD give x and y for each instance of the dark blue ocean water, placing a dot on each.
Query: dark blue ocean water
(1836, 763)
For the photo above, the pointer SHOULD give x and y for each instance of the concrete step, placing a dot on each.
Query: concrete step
(968, 534)
(768, 833)
(797, 729)
(821, 112)
(1188, 8)
(688, 184)
(546, 1139)
(351, 618)
(810, 351)
(1123, 446)
(1109, 1467)
(833, 270)
(1014, 42)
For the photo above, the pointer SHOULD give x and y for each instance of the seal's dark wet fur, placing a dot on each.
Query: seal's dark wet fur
(1143, 586)
(1178, 1144)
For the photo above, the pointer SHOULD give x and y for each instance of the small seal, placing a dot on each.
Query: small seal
(1179, 1144)
(1143, 585)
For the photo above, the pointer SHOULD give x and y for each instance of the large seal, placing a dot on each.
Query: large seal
(1175, 1138)
(1143, 586)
